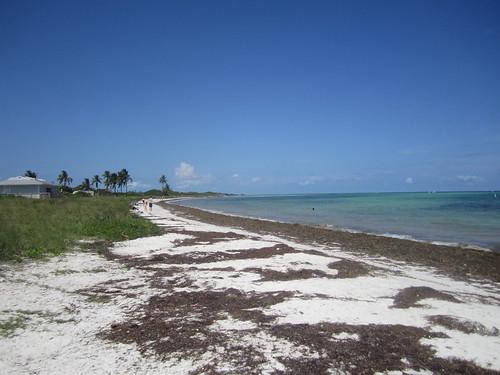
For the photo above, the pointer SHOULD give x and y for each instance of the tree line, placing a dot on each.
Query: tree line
(112, 181)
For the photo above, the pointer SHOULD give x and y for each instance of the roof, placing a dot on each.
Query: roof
(22, 180)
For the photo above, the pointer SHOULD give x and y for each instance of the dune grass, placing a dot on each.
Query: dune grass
(33, 228)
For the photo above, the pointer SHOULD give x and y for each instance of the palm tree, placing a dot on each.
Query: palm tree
(120, 180)
(96, 181)
(85, 184)
(107, 179)
(164, 183)
(64, 178)
(123, 179)
(30, 173)
(113, 181)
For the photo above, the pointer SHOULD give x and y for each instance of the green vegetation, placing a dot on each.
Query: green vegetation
(165, 187)
(30, 173)
(112, 181)
(116, 181)
(34, 228)
(114, 184)
(99, 299)
(64, 179)
(7, 327)
(96, 181)
(176, 194)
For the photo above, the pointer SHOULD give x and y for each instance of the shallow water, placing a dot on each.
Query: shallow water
(465, 218)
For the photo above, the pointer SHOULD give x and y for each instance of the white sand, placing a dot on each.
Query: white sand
(59, 324)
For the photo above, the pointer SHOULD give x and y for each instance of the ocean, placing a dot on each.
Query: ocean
(459, 218)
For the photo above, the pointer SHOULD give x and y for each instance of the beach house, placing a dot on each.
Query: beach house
(27, 187)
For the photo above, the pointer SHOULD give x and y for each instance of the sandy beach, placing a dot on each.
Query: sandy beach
(216, 294)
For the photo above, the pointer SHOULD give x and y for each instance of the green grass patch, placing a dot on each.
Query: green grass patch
(99, 299)
(8, 327)
(33, 228)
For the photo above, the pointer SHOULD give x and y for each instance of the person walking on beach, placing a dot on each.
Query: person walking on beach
(150, 204)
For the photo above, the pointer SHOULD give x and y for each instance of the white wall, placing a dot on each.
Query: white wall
(31, 191)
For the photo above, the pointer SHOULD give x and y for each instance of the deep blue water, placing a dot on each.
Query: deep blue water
(465, 218)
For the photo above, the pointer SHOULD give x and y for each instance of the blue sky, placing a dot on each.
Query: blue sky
(254, 96)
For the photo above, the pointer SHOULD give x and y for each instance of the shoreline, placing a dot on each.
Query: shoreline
(459, 262)
(348, 230)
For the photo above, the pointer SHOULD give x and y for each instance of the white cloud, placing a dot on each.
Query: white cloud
(256, 179)
(186, 177)
(409, 180)
(236, 175)
(184, 170)
(469, 178)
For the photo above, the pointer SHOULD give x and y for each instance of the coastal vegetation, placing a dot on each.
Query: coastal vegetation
(112, 181)
(96, 180)
(164, 184)
(115, 182)
(64, 179)
(32, 228)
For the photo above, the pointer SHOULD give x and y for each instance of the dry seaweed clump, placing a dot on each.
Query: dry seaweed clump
(465, 326)
(348, 269)
(409, 297)
(178, 324)
(199, 257)
(204, 238)
(106, 291)
(272, 275)
(370, 349)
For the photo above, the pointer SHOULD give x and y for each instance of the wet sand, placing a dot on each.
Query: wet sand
(459, 262)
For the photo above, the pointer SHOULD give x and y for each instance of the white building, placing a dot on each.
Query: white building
(28, 187)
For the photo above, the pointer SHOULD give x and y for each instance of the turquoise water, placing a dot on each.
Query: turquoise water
(465, 218)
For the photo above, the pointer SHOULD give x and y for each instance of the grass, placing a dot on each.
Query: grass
(8, 327)
(33, 228)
